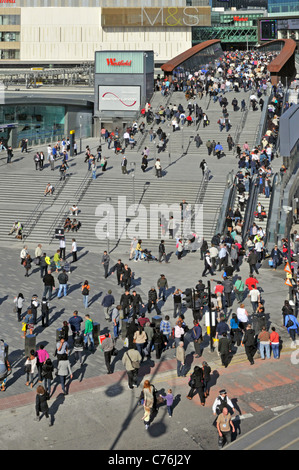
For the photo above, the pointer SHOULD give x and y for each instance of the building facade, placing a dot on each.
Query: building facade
(70, 31)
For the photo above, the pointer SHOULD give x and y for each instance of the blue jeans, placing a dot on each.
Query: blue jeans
(267, 191)
(47, 290)
(169, 409)
(137, 254)
(90, 337)
(275, 349)
(265, 348)
(64, 288)
(140, 347)
(85, 301)
(162, 292)
(115, 330)
(180, 369)
(47, 385)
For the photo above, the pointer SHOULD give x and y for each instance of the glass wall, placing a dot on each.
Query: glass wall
(10, 20)
(9, 36)
(283, 7)
(197, 61)
(38, 124)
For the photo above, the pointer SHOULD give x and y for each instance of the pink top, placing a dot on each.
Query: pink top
(42, 355)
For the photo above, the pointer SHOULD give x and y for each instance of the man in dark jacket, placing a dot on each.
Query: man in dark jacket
(162, 252)
(75, 323)
(49, 284)
(125, 302)
(224, 349)
(196, 336)
(125, 277)
(43, 265)
(249, 343)
(107, 303)
(136, 300)
(153, 300)
(62, 279)
(119, 267)
(252, 261)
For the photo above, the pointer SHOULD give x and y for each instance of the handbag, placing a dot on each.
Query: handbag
(192, 382)
(114, 352)
(135, 364)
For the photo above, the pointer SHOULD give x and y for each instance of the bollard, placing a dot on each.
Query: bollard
(96, 333)
(30, 343)
(156, 320)
(124, 327)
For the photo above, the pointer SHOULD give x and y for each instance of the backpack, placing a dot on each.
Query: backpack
(85, 291)
(222, 404)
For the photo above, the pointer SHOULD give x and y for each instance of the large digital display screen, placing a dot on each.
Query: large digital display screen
(268, 30)
(119, 98)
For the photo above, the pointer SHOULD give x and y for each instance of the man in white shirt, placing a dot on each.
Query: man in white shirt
(254, 295)
(74, 250)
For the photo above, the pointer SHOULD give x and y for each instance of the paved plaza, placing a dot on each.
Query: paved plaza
(101, 404)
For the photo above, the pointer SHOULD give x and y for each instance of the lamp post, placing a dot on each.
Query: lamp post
(108, 199)
(80, 135)
(133, 165)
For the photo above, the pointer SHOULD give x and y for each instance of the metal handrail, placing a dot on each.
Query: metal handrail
(57, 220)
(249, 211)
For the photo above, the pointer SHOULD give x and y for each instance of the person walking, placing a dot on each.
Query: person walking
(208, 265)
(63, 280)
(131, 360)
(181, 358)
(47, 375)
(19, 301)
(49, 285)
(88, 332)
(85, 289)
(196, 385)
(108, 347)
(162, 252)
(292, 325)
(75, 323)
(225, 427)
(31, 367)
(140, 339)
(264, 343)
(169, 401)
(249, 343)
(74, 250)
(196, 337)
(105, 263)
(206, 371)
(115, 317)
(275, 342)
(224, 348)
(78, 346)
(41, 404)
(63, 371)
(107, 303)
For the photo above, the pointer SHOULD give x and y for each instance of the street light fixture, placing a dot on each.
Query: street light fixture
(133, 165)
(80, 135)
(108, 200)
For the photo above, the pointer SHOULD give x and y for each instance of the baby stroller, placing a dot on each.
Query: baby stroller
(147, 256)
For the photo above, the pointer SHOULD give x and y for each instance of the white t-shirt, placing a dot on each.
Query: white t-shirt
(242, 315)
(254, 295)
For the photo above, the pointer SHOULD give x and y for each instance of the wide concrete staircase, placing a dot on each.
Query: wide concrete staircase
(21, 188)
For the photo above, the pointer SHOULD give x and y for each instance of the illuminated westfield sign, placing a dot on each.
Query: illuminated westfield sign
(238, 18)
(126, 63)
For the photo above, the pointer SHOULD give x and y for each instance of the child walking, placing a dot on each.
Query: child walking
(169, 401)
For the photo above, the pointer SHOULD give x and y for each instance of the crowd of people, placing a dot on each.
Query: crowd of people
(130, 315)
